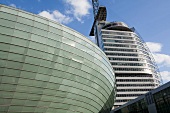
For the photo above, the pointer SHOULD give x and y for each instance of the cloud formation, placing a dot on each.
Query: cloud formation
(154, 47)
(56, 16)
(165, 76)
(78, 8)
(161, 59)
(13, 5)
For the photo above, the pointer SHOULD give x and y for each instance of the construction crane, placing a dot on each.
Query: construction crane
(95, 4)
(99, 14)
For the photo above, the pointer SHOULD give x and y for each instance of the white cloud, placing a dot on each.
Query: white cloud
(13, 5)
(76, 10)
(79, 8)
(165, 76)
(56, 16)
(154, 47)
(161, 59)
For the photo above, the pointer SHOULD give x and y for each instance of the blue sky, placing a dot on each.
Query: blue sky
(151, 18)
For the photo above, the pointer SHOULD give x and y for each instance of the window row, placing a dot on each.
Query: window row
(133, 75)
(117, 33)
(118, 41)
(134, 80)
(127, 64)
(122, 100)
(128, 95)
(120, 45)
(121, 54)
(118, 37)
(115, 49)
(130, 69)
(126, 59)
(132, 90)
(135, 85)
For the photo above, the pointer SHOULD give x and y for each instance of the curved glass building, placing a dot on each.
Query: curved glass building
(46, 67)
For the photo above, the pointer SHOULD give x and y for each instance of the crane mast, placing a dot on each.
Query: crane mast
(100, 14)
(95, 4)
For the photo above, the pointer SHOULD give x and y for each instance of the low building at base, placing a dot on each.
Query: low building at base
(155, 101)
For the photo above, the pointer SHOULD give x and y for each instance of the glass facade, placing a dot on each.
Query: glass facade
(46, 67)
(137, 107)
(162, 100)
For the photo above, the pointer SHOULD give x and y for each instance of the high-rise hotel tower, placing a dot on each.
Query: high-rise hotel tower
(135, 69)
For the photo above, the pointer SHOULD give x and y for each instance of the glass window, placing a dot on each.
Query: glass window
(50, 49)
(45, 63)
(32, 60)
(7, 31)
(25, 21)
(37, 46)
(79, 40)
(2, 63)
(68, 30)
(42, 77)
(56, 80)
(29, 67)
(21, 42)
(65, 54)
(25, 74)
(8, 16)
(40, 32)
(41, 19)
(9, 10)
(5, 38)
(15, 57)
(17, 49)
(67, 47)
(4, 47)
(3, 55)
(6, 79)
(25, 15)
(54, 30)
(76, 64)
(22, 34)
(55, 25)
(68, 41)
(35, 53)
(14, 65)
(39, 39)
(23, 27)
(51, 42)
(54, 36)
(40, 25)
(7, 23)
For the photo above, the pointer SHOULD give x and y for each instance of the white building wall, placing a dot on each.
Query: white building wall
(136, 72)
